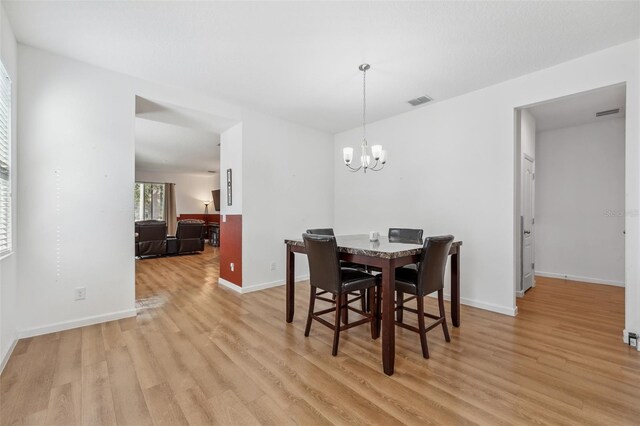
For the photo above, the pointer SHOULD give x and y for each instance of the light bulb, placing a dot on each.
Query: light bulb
(376, 151)
(347, 155)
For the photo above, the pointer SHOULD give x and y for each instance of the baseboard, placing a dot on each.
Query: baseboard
(512, 312)
(578, 278)
(6, 357)
(258, 287)
(229, 285)
(68, 325)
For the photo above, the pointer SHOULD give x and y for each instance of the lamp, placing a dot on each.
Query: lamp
(379, 155)
(206, 206)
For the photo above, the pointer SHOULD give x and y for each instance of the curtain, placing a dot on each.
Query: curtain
(170, 208)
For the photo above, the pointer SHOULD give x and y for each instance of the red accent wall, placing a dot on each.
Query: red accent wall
(231, 249)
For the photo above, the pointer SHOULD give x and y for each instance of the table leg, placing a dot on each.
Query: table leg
(455, 288)
(388, 323)
(290, 283)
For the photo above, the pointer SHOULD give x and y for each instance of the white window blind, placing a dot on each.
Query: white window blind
(5, 162)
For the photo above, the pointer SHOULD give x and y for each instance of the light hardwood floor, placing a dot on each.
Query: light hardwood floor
(200, 354)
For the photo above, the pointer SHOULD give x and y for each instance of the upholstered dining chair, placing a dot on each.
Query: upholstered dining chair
(343, 263)
(427, 279)
(405, 235)
(327, 275)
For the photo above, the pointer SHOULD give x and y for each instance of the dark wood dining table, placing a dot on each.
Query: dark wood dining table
(387, 257)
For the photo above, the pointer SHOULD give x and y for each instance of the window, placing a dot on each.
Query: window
(149, 201)
(5, 162)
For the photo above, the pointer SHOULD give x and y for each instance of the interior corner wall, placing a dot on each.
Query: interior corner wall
(288, 188)
(76, 128)
(452, 169)
(9, 265)
(231, 221)
(580, 212)
(192, 189)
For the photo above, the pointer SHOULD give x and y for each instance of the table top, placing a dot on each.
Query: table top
(360, 244)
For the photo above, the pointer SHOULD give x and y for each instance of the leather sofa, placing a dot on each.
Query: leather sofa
(189, 237)
(151, 238)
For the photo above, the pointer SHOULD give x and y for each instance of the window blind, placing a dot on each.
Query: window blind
(5, 162)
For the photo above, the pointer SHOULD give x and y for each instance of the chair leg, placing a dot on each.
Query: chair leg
(421, 327)
(363, 299)
(445, 329)
(336, 328)
(400, 300)
(371, 292)
(312, 303)
(345, 312)
(378, 308)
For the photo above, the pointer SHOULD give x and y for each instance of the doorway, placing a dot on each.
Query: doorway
(571, 190)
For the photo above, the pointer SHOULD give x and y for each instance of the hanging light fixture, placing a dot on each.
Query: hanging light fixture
(379, 155)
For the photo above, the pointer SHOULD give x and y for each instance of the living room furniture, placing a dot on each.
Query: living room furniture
(427, 279)
(327, 275)
(151, 238)
(189, 237)
(213, 233)
(388, 257)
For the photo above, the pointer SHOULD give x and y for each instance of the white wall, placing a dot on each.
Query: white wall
(528, 134)
(580, 202)
(452, 169)
(191, 189)
(76, 127)
(231, 142)
(288, 187)
(9, 265)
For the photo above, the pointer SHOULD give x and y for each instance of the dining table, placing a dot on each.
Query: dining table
(385, 256)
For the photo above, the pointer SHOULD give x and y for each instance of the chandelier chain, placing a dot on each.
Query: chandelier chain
(364, 106)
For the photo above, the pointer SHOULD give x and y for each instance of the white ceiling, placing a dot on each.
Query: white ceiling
(170, 148)
(580, 108)
(298, 60)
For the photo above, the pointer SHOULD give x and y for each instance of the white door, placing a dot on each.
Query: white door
(528, 261)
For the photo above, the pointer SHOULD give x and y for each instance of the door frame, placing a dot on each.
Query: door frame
(632, 241)
(520, 289)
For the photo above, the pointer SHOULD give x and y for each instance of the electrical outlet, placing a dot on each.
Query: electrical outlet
(232, 267)
(273, 266)
(80, 293)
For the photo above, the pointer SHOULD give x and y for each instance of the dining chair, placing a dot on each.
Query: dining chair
(327, 275)
(427, 279)
(343, 263)
(405, 235)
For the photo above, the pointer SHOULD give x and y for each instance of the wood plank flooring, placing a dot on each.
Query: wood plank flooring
(201, 354)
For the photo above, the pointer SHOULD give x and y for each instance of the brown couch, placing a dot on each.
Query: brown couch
(151, 238)
(189, 237)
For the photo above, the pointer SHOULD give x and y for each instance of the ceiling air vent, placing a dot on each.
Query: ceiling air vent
(421, 100)
(607, 112)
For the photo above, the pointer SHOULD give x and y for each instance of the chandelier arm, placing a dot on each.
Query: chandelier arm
(351, 169)
(373, 168)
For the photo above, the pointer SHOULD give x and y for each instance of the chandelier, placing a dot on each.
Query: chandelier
(378, 154)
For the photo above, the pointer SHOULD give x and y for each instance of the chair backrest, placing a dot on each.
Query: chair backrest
(321, 231)
(324, 264)
(151, 230)
(190, 228)
(405, 235)
(433, 262)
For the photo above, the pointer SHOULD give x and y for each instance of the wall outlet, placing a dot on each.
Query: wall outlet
(224, 217)
(272, 266)
(80, 293)
(232, 266)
